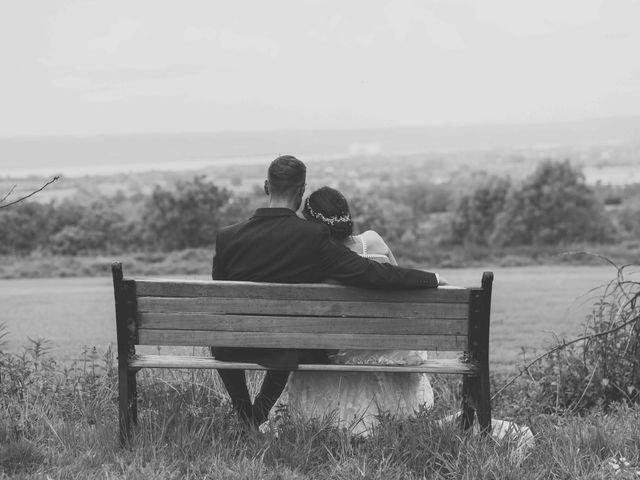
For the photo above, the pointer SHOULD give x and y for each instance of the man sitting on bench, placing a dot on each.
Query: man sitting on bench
(275, 245)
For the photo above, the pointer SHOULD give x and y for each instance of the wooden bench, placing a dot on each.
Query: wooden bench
(301, 316)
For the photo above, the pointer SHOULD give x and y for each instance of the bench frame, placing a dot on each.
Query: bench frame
(473, 365)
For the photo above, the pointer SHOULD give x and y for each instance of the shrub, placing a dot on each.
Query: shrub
(24, 227)
(392, 220)
(553, 206)
(185, 216)
(475, 216)
(599, 369)
(629, 221)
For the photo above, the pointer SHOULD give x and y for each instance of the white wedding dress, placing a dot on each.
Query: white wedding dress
(354, 400)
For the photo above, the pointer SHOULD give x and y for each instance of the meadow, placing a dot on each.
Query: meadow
(530, 306)
(59, 401)
(60, 423)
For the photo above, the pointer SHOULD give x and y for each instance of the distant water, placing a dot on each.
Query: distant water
(110, 168)
(607, 174)
(101, 155)
(612, 174)
(126, 167)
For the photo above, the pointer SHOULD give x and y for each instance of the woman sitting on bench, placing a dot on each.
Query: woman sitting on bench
(353, 400)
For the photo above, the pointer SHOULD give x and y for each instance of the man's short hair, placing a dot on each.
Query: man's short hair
(286, 173)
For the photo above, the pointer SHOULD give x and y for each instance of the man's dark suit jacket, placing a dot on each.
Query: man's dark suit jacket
(275, 245)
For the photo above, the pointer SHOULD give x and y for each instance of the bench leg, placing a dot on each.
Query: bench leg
(468, 411)
(133, 396)
(127, 402)
(483, 403)
(476, 401)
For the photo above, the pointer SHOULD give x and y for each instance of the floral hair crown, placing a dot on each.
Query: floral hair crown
(329, 220)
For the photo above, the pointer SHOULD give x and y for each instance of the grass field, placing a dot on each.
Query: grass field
(530, 305)
(59, 421)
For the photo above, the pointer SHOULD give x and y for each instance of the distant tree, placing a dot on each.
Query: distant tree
(68, 212)
(186, 215)
(474, 219)
(422, 197)
(553, 206)
(629, 221)
(73, 240)
(425, 197)
(241, 207)
(24, 227)
(97, 227)
(391, 219)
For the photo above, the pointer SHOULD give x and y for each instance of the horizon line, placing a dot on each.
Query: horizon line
(447, 125)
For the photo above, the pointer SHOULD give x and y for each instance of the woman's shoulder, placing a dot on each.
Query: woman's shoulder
(371, 235)
(375, 243)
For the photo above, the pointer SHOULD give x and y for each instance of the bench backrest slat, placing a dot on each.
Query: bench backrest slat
(257, 323)
(323, 292)
(302, 308)
(302, 340)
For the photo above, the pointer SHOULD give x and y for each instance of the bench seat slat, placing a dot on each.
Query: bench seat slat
(301, 340)
(429, 366)
(278, 324)
(259, 306)
(326, 292)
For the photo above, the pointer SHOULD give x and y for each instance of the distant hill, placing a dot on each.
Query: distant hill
(36, 153)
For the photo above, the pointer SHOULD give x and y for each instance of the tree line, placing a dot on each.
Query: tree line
(552, 206)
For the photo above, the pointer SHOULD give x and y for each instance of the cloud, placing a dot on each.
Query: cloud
(408, 18)
(231, 40)
(200, 34)
(95, 35)
(335, 21)
(539, 17)
(400, 62)
(73, 82)
(95, 78)
(365, 40)
(123, 30)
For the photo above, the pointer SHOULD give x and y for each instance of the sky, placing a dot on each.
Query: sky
(128, 66)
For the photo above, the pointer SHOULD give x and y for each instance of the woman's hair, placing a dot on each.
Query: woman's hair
(328, 206)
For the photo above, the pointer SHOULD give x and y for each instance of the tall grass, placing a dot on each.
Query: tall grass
(597, 370)
(60, 421)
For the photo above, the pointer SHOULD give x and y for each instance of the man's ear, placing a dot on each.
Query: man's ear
(300, 192)
(266, 187)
